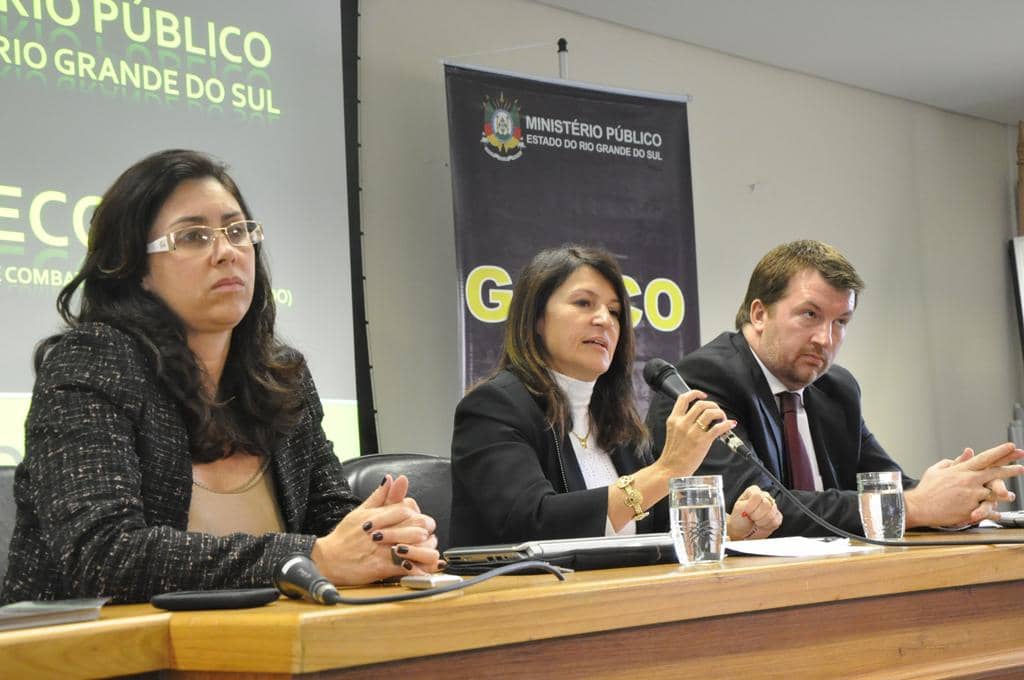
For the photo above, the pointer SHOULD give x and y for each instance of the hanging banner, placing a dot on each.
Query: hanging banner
(538, 163)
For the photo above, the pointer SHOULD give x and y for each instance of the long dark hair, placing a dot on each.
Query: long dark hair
(259, 396)
(613, 404)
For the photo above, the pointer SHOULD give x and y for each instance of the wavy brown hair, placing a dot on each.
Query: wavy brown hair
(259, 397)
(613, 404)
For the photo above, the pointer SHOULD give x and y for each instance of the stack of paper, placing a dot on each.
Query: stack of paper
(796, 546)
(49, 613)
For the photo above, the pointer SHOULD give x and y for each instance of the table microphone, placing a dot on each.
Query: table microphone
(297, 577)
(664, 378)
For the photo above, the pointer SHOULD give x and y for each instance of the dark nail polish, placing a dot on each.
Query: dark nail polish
(383, 481)
(367, 525)
(442, 565)
(377, 536)
(402, 549)
(407, 565)
(395, 558)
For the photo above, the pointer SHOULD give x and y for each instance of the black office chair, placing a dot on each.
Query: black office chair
(430, 482)
(6, 515)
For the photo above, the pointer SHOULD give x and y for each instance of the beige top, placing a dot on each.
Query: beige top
(252, 508)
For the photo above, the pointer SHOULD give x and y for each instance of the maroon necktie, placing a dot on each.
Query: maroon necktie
(800, 475)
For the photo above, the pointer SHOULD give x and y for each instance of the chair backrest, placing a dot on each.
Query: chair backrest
(430, 482)
(6, 515)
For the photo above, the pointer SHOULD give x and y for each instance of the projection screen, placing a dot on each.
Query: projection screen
(89, 87)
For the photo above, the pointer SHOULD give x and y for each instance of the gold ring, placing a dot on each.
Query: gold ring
(702, 426)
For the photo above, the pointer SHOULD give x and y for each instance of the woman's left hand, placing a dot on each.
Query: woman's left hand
(423, 554)
(754, 515)
(382, 538)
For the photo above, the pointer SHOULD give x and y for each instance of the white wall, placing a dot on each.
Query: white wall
(917, 198)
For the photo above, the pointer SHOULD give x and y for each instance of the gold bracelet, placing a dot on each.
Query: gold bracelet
(634, 500)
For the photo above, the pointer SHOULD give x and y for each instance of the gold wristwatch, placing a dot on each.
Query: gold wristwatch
(634, 500)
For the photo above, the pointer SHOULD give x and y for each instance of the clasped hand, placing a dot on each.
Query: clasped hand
(386, 536)
(965, 490)
(754, 515)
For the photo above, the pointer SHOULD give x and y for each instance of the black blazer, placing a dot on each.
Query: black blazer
(104, 490)
(726, 369)
(513, 480)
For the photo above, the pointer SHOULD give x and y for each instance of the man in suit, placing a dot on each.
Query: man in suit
(779, 367)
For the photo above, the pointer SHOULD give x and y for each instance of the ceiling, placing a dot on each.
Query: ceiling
(965, 56)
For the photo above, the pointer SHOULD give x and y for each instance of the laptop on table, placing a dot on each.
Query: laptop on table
(602, 552)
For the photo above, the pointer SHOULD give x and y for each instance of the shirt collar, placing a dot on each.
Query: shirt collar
(578, 392)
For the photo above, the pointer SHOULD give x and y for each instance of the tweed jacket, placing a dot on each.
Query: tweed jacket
(104, 490)
(513, 480)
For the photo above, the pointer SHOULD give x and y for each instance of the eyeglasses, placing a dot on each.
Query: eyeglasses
(200, 237)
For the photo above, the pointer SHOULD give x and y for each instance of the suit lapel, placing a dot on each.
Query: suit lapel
(768, 411)
(823, 416)
(291, 499)
(626, 462)
(769, 414)
(573, 474)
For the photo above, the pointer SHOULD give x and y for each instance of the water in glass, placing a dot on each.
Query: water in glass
(881, 513)
(698, 524)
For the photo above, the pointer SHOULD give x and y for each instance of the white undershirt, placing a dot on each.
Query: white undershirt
(595, 463)
(803, 426)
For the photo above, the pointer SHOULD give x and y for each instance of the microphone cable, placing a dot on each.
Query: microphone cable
(461, 585)
(664, 378)
(745, 451)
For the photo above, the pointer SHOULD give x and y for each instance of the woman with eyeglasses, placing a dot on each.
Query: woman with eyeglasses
(173, 442)
(551, 445)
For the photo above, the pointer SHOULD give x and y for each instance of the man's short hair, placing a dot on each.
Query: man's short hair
(772, 274)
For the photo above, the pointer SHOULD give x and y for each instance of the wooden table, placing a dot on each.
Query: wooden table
(893, 613)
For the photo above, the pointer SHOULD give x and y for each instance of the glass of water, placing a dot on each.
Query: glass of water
(881, 504)
(697, 512)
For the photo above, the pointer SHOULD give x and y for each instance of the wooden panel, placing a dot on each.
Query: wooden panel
(114, 646)
(264, 639)
(294, 637)
(963, 632)
(901, 613)
(615, 599)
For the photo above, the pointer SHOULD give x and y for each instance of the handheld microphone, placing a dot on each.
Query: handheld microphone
(297, 577)
(664, 378)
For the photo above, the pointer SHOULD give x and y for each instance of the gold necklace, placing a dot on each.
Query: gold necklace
(583, 439)
(251, 482)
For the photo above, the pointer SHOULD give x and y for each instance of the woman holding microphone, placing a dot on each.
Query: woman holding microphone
(551, 445)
